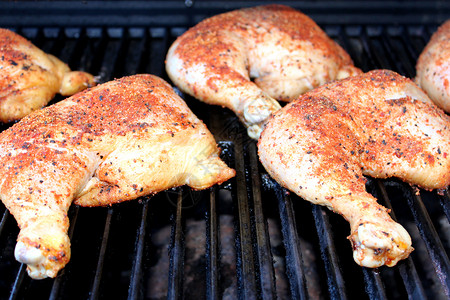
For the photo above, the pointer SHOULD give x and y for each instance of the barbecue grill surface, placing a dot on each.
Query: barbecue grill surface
(252, 239)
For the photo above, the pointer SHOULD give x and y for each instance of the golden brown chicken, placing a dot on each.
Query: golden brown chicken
(433, 67)
(115, 142)
(283, 50)
(30, 78)
(379, 124)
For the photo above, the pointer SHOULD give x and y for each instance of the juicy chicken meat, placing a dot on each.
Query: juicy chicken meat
(283, 50)
(378, 124)
(115, 142)
(433, 67)
(30, 78)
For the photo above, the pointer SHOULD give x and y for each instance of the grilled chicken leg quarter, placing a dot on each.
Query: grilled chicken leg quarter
(378, 124)
(115, 142)
(30, 78)
(433, 67)
(283, 50)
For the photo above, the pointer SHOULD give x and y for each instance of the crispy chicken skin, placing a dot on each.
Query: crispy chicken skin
(115, 142)
(433, 67)
(379, 124)
(283, 50)
(30, 78)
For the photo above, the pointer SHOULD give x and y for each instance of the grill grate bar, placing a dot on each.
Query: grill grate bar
(445, 203)
(344, 38)
(95, 288)
(386, 57)
(406, 269)
(432, 241)
(374, 58)
(175, 289)
(412, 48)
(374, 285)
(111, 56)
(246, 262)
(5, 216)
(212, 288)
(411, 280)
(266, 270)
(16, 288)
(414, 40)
(336, 283)
(396, 52)
(294, 261)
(135, 291)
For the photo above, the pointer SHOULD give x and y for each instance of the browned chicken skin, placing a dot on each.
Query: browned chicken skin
(283, 50)
(433, 67)
(115, 142)
(30, 78)
(379, 124)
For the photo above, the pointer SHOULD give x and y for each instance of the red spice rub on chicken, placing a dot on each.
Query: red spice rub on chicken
(433, 67)
(30, 78)
(115, 142)
(283, 50)
(378, 124)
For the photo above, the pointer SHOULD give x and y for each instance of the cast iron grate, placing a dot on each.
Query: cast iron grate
(280, 246)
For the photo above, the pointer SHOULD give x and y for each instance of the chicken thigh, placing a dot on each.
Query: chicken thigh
(283, 50)
(433, 67)
(378, 124)
(115, 142)
(30, 78)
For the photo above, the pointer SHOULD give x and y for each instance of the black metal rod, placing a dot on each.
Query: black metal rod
(246, 263)
(343, 40)
(432, 241)
(294, 262)
(407, 269)
(5, 216)
(368, 51)
(175, 285)
(374, 285)
(18, 282)
(212, 287)
(445, 203)
(267, 275)
(336, 283)
(135, 287)
(397, 54)
(95, 289)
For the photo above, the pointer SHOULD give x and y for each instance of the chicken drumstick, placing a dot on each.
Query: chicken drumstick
(30, 78)
(433, 67)
(283, 50)
(378, 124)
(115, 142)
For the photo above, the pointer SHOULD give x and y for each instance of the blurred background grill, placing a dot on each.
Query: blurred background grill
(247, 238)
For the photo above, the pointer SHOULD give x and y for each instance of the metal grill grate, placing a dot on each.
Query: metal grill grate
(278, 245)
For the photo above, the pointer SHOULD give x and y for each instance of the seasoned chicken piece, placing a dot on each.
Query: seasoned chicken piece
(379, 124)
(433, 67)
(283, 50)
(30, 78)
(115, 142)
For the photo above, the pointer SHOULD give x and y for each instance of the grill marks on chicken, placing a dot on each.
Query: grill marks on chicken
(379, 124)
(283, 50)
(115, 142)
(30, 78)
(433, 67)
